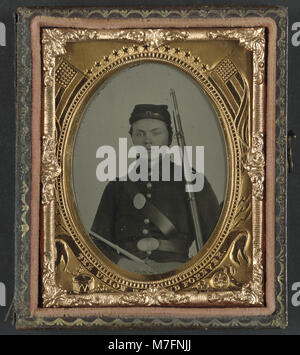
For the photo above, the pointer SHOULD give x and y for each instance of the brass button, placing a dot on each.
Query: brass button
(146, 221)
(139, 201)
(145, 231)
(148, 195)
(149, 185)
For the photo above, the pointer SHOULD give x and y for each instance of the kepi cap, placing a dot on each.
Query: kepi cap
(158, 112)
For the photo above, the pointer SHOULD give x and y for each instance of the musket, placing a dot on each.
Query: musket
(191, 195)
(119, 250)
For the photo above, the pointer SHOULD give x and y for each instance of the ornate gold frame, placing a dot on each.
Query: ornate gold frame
(217, 282)
(216, 276)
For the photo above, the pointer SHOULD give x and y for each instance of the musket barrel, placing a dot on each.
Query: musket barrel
(177, 120)
(191, 195)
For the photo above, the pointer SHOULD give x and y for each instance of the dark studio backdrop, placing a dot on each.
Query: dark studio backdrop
(7, 171)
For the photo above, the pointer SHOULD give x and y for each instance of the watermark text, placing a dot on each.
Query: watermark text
(152, 164)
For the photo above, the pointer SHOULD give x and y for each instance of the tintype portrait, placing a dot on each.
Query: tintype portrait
(153, 174)
(146, 224)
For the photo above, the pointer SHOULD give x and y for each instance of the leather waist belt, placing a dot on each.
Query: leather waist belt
(168, 245)
(174, 246)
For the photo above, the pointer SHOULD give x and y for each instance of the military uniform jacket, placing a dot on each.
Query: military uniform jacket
(119, 221)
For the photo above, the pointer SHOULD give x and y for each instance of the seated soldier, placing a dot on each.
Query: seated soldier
(151, 219)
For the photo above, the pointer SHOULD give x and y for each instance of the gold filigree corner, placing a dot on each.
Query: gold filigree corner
(54, 43)
(253, 39)
(55, 296)
(52, 293)
(248, 295)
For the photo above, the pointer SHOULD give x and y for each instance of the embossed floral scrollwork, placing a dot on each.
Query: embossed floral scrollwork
(153, 38)
(246, 295)
(52, 294)
(154, 296)
(54, 42)
(50, 169)
(255, 164)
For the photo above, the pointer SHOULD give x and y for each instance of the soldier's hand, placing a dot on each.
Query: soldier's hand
(135, 266)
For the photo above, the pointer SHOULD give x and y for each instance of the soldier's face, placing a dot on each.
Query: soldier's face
(150, 132)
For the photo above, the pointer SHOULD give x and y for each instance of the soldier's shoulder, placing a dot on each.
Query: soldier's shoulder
(113, 186)
(118, 183)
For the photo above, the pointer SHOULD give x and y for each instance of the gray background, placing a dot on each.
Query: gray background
(106, 119)
(7, 171)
